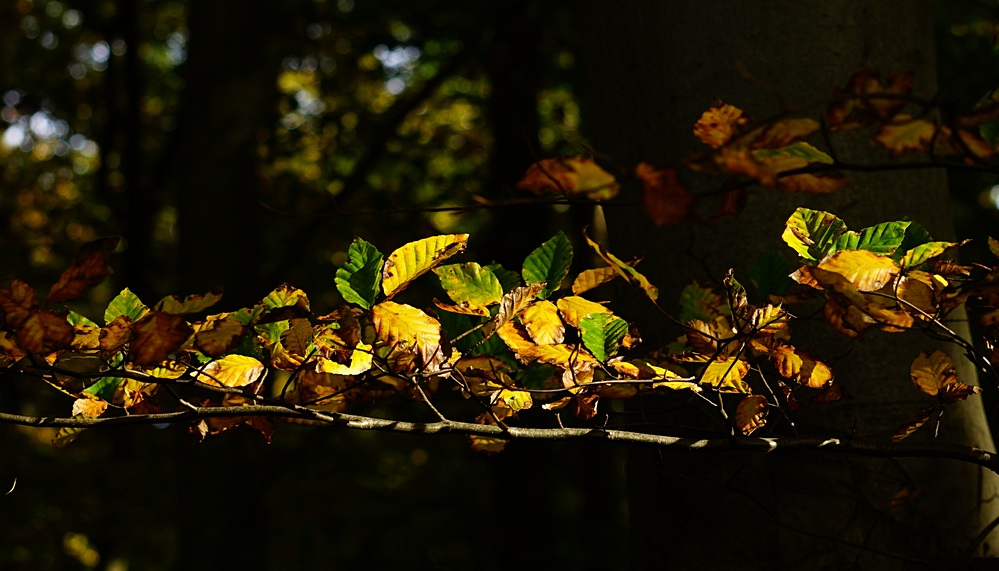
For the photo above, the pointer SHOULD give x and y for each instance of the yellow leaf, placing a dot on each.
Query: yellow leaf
(463, 308)
(417, 258)
(919, 290)
(486, 444)
(751, 414)
(589, 279)
(864, 269)
(89, 407)
(515, 336)
(232, 371)
(360, 362)
(727, 375)
(570, 176)
(543, 324)
(769, 320)
(719, 124)
(797, 365)
(935, 375)
(406, 328)
(574, 309)
(906, 134)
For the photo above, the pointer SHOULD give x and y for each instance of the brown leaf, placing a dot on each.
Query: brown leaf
(89, 268)
(907, 428)
(797, 365)
(665, 198)
(831, 393)
(155, 336)
(115, 334)
(44, 331)
(570, 176)
(867, 99)
(719, 124)
(17, 301)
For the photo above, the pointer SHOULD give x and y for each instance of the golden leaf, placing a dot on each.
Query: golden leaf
(864, 269)
(934, 373)
(543, 324)
(630, 274)
(570, 176)
(590, 279)
(797, 365)
(232, 371)
(360, 362)
(408, 329)
(906, 134)
(417, 258)
(89, 407)
(751, 414)
(574, 309)
(727, 375)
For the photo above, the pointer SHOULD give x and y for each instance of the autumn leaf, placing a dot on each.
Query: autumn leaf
(867, 99)
(510, 305)
(906, 134)
(719, 124)
(934, 373)
(470, 285)
(408, 329)
(630, 274)
(574, 309)
(812, 233)
(549, 263)
(543, 324)
(232, 371)
(590, 279)
(45, 331)
(155, 336)
(17, 301)
(284, 302)
(360, 362)
(113, 336)
(665, 198)
(417, 258)
(726, 375)
(570, 176)
(89, 407)
(602, 334)
(486, 444)
(89, 268)
(219, 336)
(125, 303)
(194, 303)
(925, 252)
(358, 278)
(865, 270)
(769, 320)
(297, 339)
(798, 366)
(751, 414)
(907, 428)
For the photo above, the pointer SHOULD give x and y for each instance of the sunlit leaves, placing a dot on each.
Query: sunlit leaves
(417, 258)
(471, 286)
(590, 279)
(665, 198)
(812, 232)
(360, 362)
(510, 305)
(232, 371)
(727, 375)
(543, 323)
(125, 304)
(358, 279)
(935, 374)
(90, 267)
(570, 176)
(797, 365)
(574, 309)
(602, 334)
(549, 263)
(407, 329)
(865, 270)
(630, 274)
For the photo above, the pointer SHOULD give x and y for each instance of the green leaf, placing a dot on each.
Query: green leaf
(509, 280)
(549, 263)
(799, 150)
(882, 239)
(770, 274)
(104, 388)
(812, 232)
(924, 252)
(359, 279)
(602, 334)
(286, 296)
(127, 304)
(75, 318)
(470, 283)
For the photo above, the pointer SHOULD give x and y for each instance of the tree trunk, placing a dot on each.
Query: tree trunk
(654, 67)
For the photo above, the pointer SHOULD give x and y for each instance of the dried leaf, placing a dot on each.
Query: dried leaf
(570, 176)
(89, 268)
(719, 124)
(751, 414)
(155, 336)
(191, 304)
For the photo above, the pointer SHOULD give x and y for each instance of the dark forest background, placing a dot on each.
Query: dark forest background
(245, 144)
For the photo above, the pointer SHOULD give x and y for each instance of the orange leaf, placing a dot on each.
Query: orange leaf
(570, 176)
(155, 336)
(666, 199)
(89, 268)
(797, 365)
(751, 414)
(934, 373)
(719, 124)
(218, 337)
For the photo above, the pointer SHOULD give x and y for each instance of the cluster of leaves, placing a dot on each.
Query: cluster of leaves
(775, 153)
(504, 342)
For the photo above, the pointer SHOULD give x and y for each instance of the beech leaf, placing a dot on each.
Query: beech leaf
(543, 323)
(155, 336)
(798, 366)
(727, 375)
(751, 414)
(570, 176)
(408, 329)
(590, 279)
(719, 124)
(89, 268)
(470, 285)
(633, 276)
(358, 279)
(417, 258)
(191, 304)
(549, 263)
(602, 334)
(232, 371)
(125, 303)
